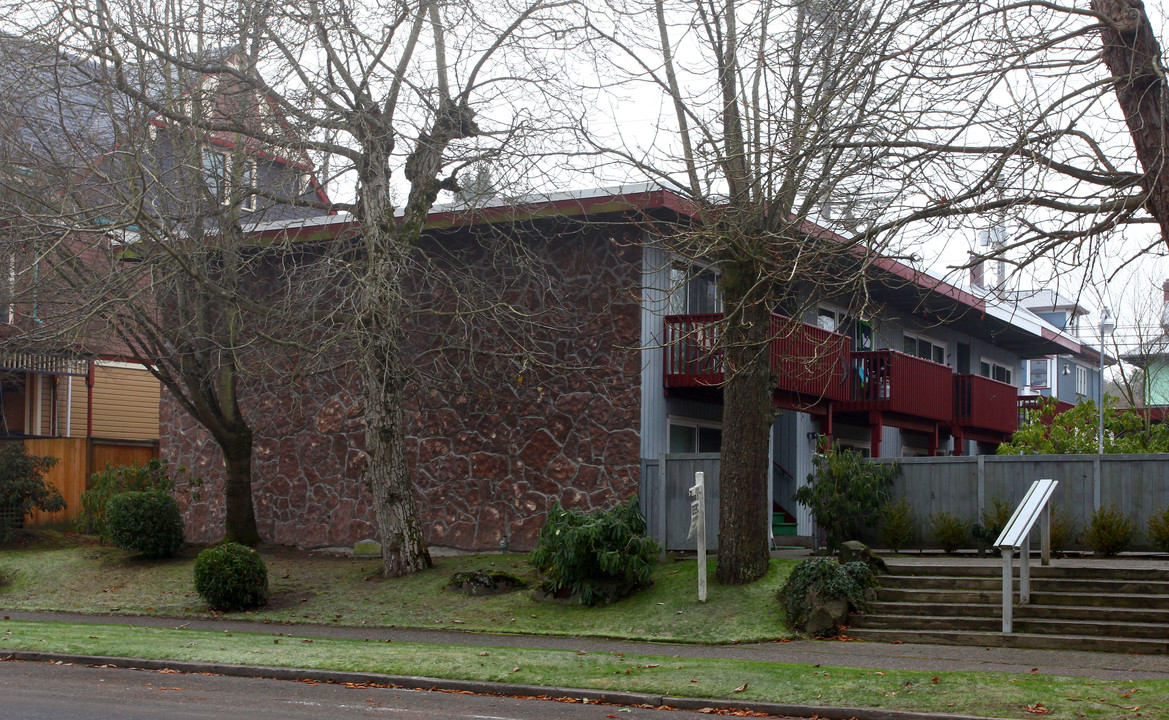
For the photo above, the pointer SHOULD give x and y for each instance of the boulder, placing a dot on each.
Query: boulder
(854, 551)
(825, 616)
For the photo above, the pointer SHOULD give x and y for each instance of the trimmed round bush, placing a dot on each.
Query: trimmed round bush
(148, 522)
(231, 576)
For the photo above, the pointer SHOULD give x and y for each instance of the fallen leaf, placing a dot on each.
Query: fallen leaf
(516, 668)
(1034, 670)
(484, 654)
(934, 679)
(741, 688)
(1037, 709)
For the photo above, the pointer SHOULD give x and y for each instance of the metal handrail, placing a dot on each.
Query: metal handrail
(1016, 536)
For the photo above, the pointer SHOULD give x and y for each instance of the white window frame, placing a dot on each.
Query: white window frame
(992, 364)
(839, 318)
(672, 420)
(223, 193)
(248, 201)
(675, 285)
(934, 345)
(1082, 384)
(1031, 364)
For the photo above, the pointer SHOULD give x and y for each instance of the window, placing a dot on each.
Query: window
(1039, 373)
(923, 348)
(248, 185)
(215, 173)
(837, 321)
(831, 320)
(996, 371)
(1081, 380)
(691, 436)
(693, 291)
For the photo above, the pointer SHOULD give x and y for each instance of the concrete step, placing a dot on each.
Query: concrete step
(1055, 612)
(1034, 625)
(1016, 640)
(994, 568)
(1156, 588)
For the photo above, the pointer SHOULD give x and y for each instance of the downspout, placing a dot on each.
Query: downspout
(69, 408)
(89, 401)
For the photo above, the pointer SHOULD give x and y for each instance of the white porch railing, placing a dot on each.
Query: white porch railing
(1016, 537)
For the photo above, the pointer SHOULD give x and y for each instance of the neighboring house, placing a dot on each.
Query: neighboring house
(1152, 358)
(73, 144)
(1068, 377)
(637, 375)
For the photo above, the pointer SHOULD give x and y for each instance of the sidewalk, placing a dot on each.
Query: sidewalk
(907, 656)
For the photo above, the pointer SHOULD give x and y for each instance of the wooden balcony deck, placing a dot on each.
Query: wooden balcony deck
(983, 404)
(887, 381)
(810, 363)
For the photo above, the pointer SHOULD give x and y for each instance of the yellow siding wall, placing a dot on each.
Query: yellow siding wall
(125, 404)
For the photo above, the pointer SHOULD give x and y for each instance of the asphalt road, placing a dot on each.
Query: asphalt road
(43, 691)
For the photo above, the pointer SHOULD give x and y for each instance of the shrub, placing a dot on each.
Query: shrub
(994, 519)
(230, 576)
(950, 531)
(1109, 531)
(148, 522)
(1062, 531)
(23, 487)
(846, 493)
(115, 480)
(825, 579)
(897, 523)
(600, 558)
(1159, 530)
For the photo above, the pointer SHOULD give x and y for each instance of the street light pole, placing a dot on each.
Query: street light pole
(1106, 327)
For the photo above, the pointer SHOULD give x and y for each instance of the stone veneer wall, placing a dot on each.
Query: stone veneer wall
(488, 464)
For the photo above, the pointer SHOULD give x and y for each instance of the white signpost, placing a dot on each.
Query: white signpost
(698, 524)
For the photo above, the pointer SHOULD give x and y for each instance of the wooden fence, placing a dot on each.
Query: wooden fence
(77, 459)
(964, 486)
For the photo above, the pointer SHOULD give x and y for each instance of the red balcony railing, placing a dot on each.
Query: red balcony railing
(890, 381)
(985, 404)
(807, 360)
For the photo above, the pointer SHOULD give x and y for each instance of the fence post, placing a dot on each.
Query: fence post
(981, 484)
(660, 510)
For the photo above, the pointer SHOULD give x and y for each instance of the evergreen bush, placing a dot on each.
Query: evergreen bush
(23, 487)
(824, 579)
(897, 522)
(1159, 530)
(846, 493)
(115, 480)
(230, 576)
(148, 522)
(950, 531)
(599, 557)
(1062, 531)
(994, 519)
(1109, 531)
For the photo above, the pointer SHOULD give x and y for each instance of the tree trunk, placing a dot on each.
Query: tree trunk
(743, 552)
(1133, 56)
(240, 520)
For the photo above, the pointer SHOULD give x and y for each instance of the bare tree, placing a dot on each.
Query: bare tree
(139, 225)
(917, 118)
(405, 94)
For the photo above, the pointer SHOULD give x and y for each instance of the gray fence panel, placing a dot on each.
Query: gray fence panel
(648, 498)
(679, 478)
(1137, 484)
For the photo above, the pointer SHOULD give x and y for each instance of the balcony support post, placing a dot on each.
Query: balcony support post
(875, 434)
(933, 442)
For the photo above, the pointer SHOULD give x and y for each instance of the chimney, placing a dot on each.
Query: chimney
(977, 276)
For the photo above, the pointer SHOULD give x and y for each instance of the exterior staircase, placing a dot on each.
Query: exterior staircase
(1075, 605)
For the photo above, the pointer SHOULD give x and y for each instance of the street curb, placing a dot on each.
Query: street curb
(481, 687)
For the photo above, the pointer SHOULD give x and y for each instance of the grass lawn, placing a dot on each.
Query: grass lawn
(66, 573)
(994, 694)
